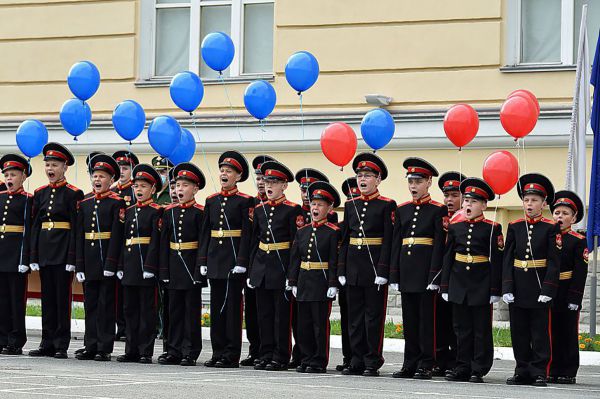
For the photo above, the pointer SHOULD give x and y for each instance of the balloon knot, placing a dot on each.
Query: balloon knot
(342, 169)
(459, 149)
(299, 93)
(191, 114)
(74, 138)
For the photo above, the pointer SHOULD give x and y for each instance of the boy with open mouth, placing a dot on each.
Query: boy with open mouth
(15, 235)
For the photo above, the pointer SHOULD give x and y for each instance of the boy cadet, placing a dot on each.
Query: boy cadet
(15, 237)
(313, 277)
(138, 266)
(568, 209)
(445, 340)
(364, 264)
(223, 258)
(180, 233)
(274, 228)
(531, 269)
(418, 250)
(53, 249)
(471, 279)
(99, 236)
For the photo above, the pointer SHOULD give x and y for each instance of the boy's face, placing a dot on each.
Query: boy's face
(452, 200)
(533, 205)
(55, 170)
(101, 181)
(164, 175)
(228, 177)
(14, 179)
(260, 184)
(418, 187)
(173, 193)
(275, 188)
(367, 182)
(473, 207)
(304, 195)
(564, 216)
(186, 190)
(125, 173)
(319, 209)
(143, 190)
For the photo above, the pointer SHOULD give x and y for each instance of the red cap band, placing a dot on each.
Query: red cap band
(124, 159)
(452, 183)
(13, 164)
(188, 175)
(535, 186)
(305, 180)
(57, 154)
(567, 202)
(416, 169)
(234, 163)
(275, 173)
(368, 164)
(104, 165)
(145, 176)
(478, 191)
(323, 193)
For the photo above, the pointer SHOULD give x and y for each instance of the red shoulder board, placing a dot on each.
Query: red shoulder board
(244, 195)
(299, 221)
(381, 197)
(488, 221)
(171, 206)
(303, 227)
(198, 206)
(333, 226)
(130, 207)
(576, 235)
(405, 203)
(290, 203)
(72, 187)
(549, 221)
(117, 197)
(259, 204)
(586, 254)
(40, 188)
(155, 205)
(559, 241)
(438, 204)
(26, 194)
(86, 199)
(212, 195)
(517, 221)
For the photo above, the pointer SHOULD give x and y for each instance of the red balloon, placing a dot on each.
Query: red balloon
(527, 94)
(501, 171)
(461, 124)
(338, 143)
(518, 116)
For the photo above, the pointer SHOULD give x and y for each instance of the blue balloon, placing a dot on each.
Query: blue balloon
(129, 119)
(83, 80)
(377, 128)
(260, 99)
(302, 71)
(75, 116)
(217, 51)
(32, 136)
(186, 90)
(164, 134)
(185, 149)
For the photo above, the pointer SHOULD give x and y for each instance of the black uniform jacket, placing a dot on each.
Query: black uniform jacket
(126, 192)
(15, 230)
(573, 270)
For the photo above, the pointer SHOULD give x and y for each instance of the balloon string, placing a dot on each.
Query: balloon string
(492, 230)
(524, 154)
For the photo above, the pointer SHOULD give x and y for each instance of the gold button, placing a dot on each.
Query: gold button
(408, 253)
(220, 242)
(468, 268)
(359, 247)
(411, 240)
(469, 259)
(220, 234)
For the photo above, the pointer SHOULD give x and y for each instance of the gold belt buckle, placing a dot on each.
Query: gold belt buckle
(469, 258)
(177, 246)
(411, 240)
(359, 241)
(93, 235)
(50, 225)
(2, 228)
(220, 233)
(128, 242)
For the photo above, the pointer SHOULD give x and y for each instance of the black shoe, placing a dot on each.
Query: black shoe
(438, 372)
(61, 354)
(517, 379)
(145, 360)
(39, 352)
(276, 366)
(127, 358)
(167, 359)
(341, 367)
(301, 368)
(476, 378)
(539, 381)
(85, 355)
(315, 370)
(249, 361)
(552, 379)
(293, 364)
(566, 380)
(162, 356)
(78, 351)
(261, 364)
(404, 373)
(211, 362)
(226, 364)
(12, 351)
(422, 374)
(353, 371)
(120, 337)
(456, 376)
(369, 372)
(102, 357)
(187, 361)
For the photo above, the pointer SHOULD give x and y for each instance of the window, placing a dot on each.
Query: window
(178, 27)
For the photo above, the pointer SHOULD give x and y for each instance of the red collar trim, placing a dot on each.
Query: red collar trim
(60, 183)
(130, 182)
(320, 222)
(534, 219)
(370, 196)
(102, 195)
(229, 193)
(188, 204)
(278, 201)
(423, 200)
(144, 203)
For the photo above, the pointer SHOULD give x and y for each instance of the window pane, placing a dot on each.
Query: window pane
(258, 38)
(172, 41)
(593, 25)
(172, 1)
(540, 31)
(214, 19)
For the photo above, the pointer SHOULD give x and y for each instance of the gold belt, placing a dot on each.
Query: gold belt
(365, 241)
(56, 225)
(417, 241)
(273, 247)
(137, 240)
(8, 228)
(566, 275)
(314, 265)
(225, 233)
(471, 258)
(526, 264)
(180, 246)
(95, 235)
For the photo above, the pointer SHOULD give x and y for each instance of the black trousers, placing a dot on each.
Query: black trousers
(565, 343)
(343, 303)
(56, 307)
(296, 354)
(445, 339)
(185, 328)
(226, 319)
(473, 328)
(163, 309)
(141, 317)
(251, 318)
(418, 317)
(120, 311)
(274, 324)
(13, 300)
(366, 322)
(313, 321)
(531, 337)
(99, 303)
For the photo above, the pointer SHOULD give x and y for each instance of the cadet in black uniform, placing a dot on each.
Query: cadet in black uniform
(53, 249)
(15, 238)
(471, 280)
(98, 243)
(138, 266)
(313, 277)
(364, 264)
(417, 256)
(274, 228)
(530, 274)
(568, 209)
(223, 258)
(179, 247)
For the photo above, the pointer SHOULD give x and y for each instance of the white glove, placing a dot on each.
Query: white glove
(294, 290)
(166, 281)
(494, 299)
(147, 275)
(445, 296)
(203, 270)
(238, 270)
(573, 306)
(395, 286)
(508, 298)
(248, 284)
(342, 280)
(70, 268)
(23, 268)
(332, 292)
(34, 267)
(433, 287)
(544, 299)
(380, 280)
(120, 274)
(108, 273)
(287, 285)
(80, 277)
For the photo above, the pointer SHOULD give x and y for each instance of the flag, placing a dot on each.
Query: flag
(593, 221)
